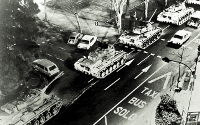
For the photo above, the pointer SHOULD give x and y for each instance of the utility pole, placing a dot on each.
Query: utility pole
(146, 9)
(181, 59)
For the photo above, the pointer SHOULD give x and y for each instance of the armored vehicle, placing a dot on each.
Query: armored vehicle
(176, 14)
(101, 62)
(143, 34)
(33, 108)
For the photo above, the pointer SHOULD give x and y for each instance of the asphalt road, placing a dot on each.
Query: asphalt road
(124, 96)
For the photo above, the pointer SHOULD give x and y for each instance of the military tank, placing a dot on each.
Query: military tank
(143, 34)
(34, 108)
(195, 2)
(176, 14)
(101, 62)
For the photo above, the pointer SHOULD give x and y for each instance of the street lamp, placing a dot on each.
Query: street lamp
(193, 74)
(165, 59)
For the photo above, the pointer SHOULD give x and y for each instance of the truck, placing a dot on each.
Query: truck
(176, 14)
(35, 107)
(101, 62)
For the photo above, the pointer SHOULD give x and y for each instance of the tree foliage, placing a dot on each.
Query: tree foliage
(167, 112)
(19, 30)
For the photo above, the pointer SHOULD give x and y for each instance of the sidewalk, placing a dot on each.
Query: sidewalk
(188, 99)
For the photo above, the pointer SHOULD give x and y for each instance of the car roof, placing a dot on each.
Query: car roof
(196, 14)
(87, 37)
(74, 34)
(44, 62)
(181, 32)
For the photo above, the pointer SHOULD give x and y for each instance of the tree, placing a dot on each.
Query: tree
(74, 7)
(19, 30)
(118, 7)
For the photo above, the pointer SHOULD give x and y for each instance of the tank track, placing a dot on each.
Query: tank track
(112, 67)
(147, 42)
(45, 115)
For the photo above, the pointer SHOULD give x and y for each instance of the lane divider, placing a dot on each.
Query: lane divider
(130, 93)
(112, 84)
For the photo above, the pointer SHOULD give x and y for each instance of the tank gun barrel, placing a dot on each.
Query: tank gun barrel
(58, 76)
(152, 15)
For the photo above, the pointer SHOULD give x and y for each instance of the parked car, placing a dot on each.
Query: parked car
(87, 42)
(74, 38)
(180, 37)
(194, 20)
(45, 66)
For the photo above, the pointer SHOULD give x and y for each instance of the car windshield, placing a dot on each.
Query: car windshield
(85, 41)
(178, 36)
(52, 67)
(71, 37)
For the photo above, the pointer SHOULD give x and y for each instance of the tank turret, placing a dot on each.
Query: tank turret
(176, 14)
(101, 62)
(142, 36)
(34, 108)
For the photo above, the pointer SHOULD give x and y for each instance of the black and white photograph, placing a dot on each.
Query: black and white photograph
(99, 62)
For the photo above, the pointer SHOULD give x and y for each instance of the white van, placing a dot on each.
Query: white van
(45, 66)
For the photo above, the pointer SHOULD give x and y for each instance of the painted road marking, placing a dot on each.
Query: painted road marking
(126, 64)
(145, 52)
(48, 54)
(189, 47)
(167, 75)
(143, 70)
(112, 84)
(62, 48)
(90, 80)
(159, 56)
(144, 59)
(192, 39)
(59, 59)
(129, 94)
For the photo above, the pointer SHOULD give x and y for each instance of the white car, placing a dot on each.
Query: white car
(180, 37)
(74, 38)
(45, 66)
(86, 42)
(194, 21)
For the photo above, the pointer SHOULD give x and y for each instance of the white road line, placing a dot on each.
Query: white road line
(112, 84)
(189, 47)
(159, 56)
(145, 52)
(90, 80)
(138, 75)
(48, 54)
(192, 40)
(62, 48)
(59, 59)
(121, 68)
(130, 52)
(129, 94)
(144, 59)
